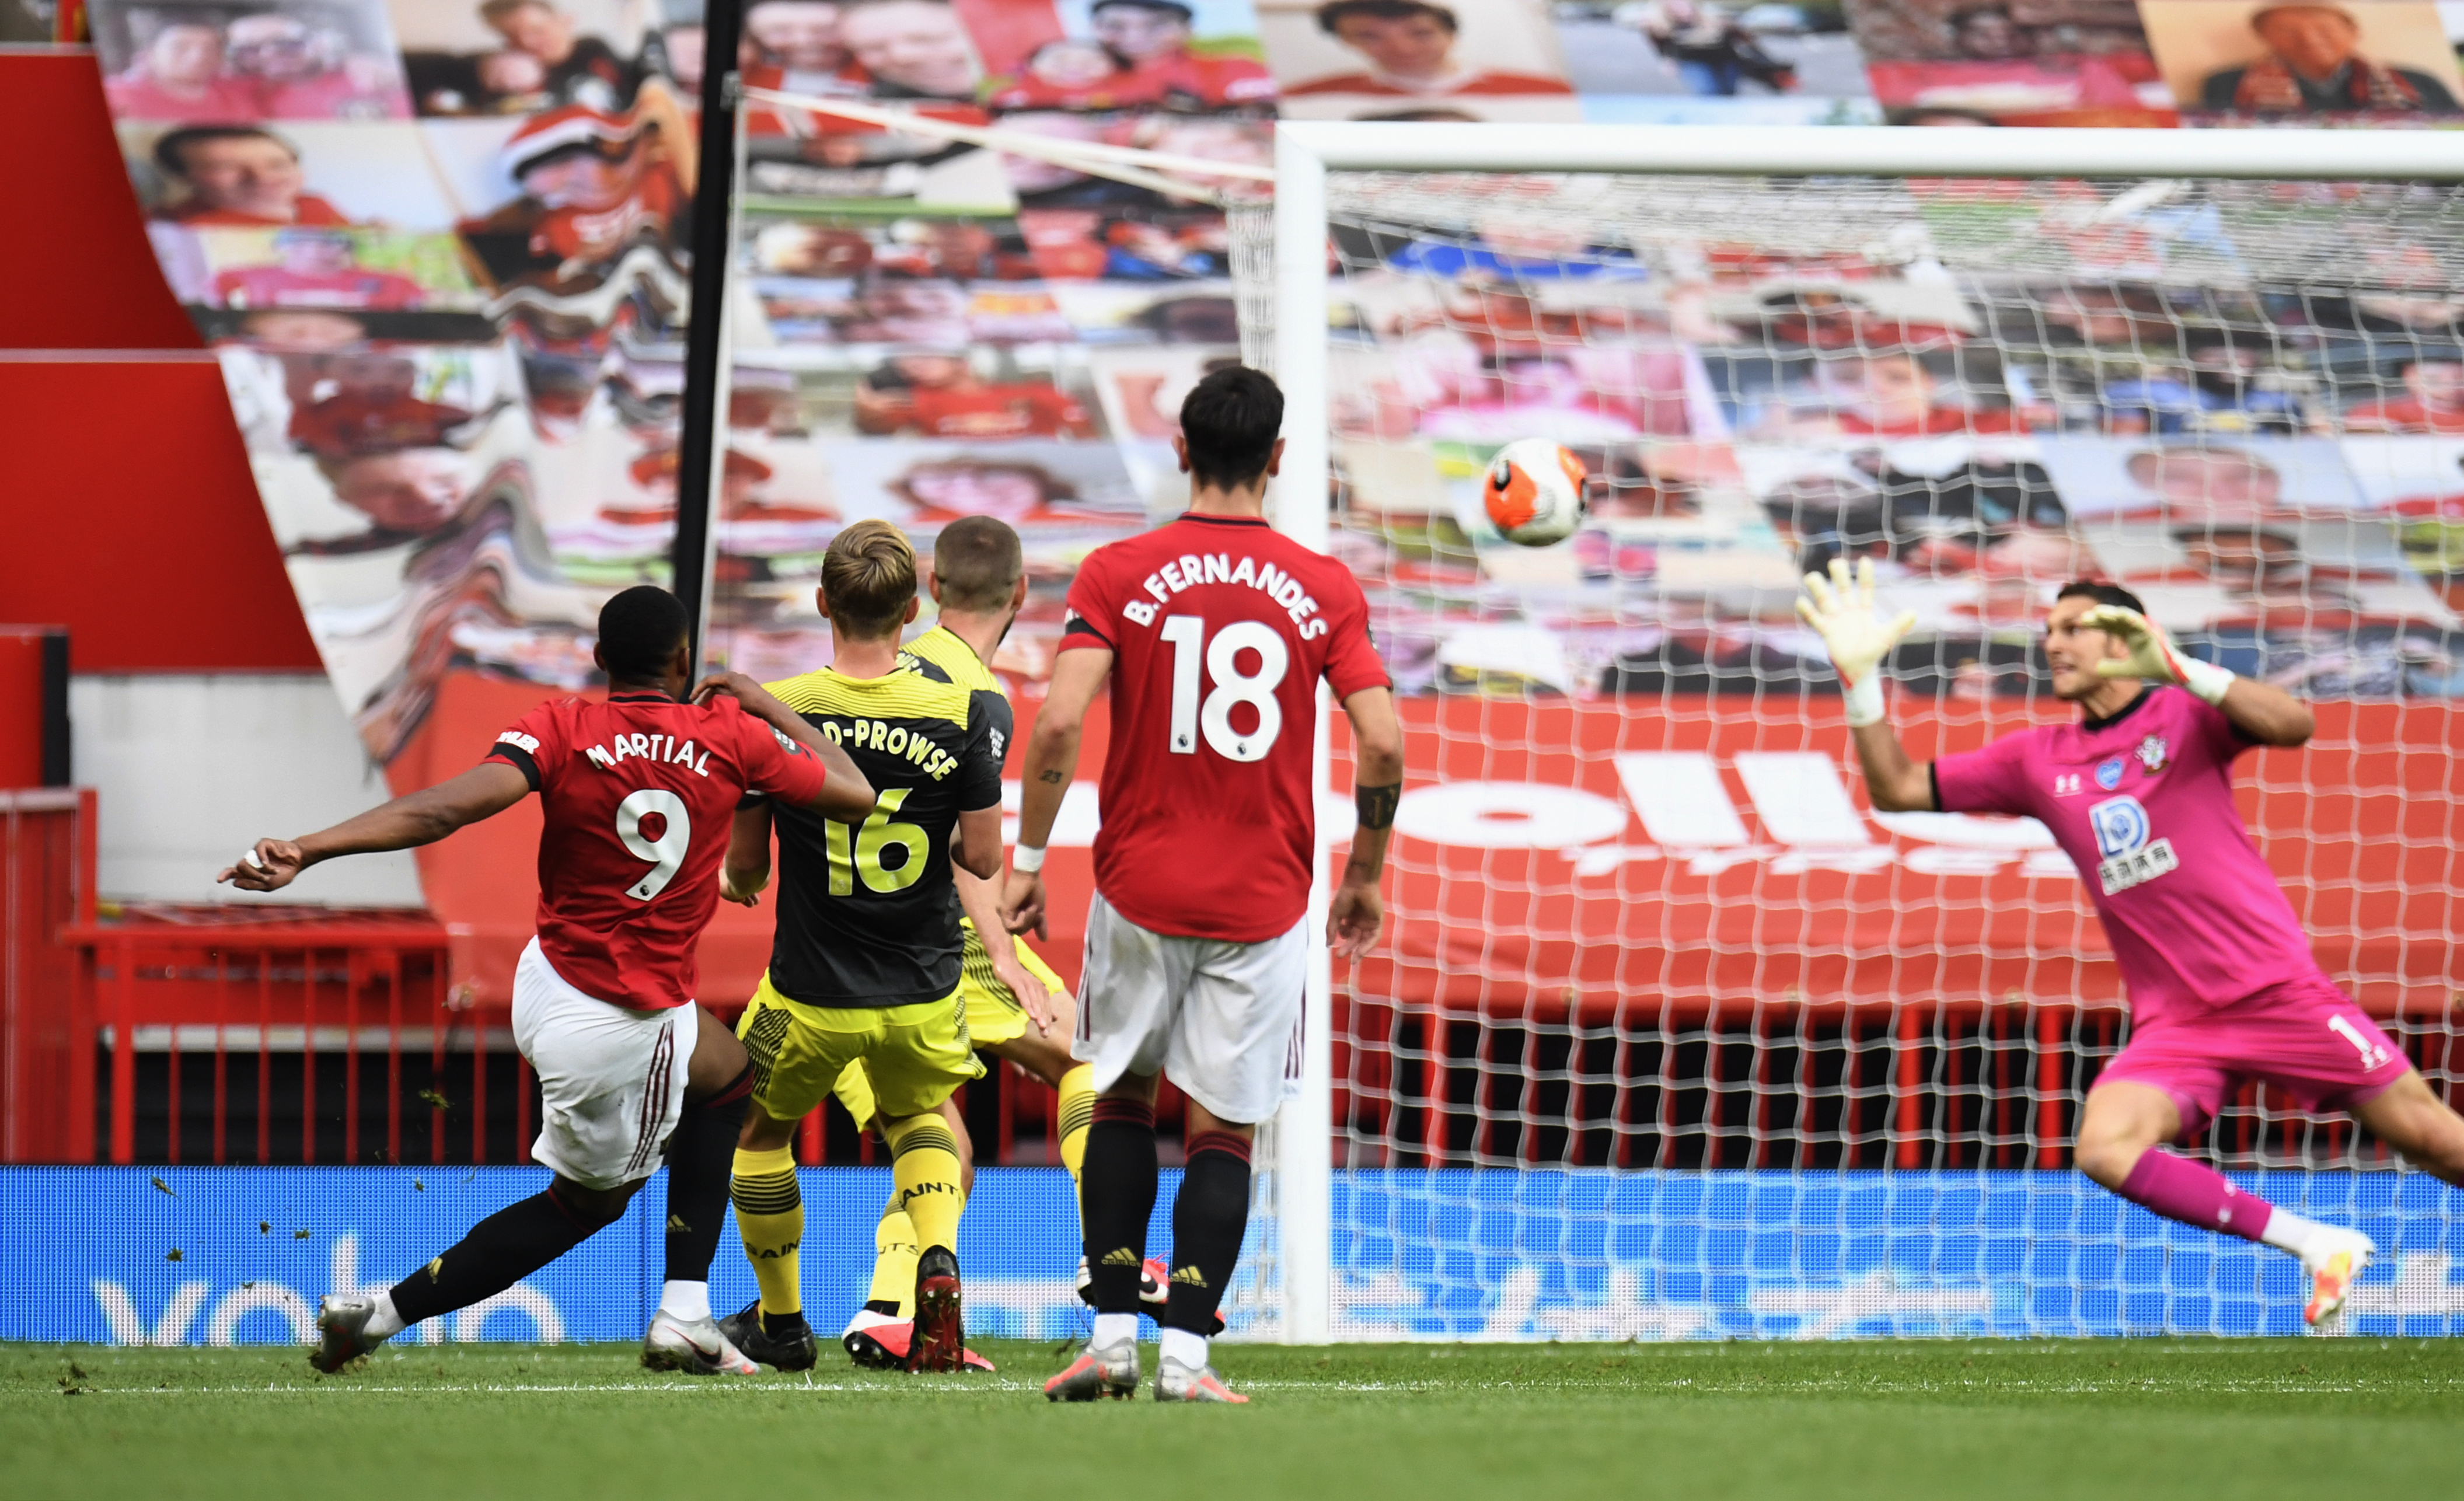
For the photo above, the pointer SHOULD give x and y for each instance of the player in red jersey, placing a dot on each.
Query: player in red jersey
(1214, 631)
(639, 795)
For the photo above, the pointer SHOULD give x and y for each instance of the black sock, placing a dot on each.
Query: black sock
(500, 1250)
(1117, 1196)
(778, 1326)
(1209, 1216)
(701, 1158)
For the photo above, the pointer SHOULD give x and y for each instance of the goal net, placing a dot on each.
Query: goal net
(1671, 1035)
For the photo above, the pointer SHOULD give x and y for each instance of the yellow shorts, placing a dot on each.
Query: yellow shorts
(994, 1015)
(916, 1055)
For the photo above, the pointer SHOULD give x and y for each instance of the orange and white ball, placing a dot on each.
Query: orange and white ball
(1534, 492)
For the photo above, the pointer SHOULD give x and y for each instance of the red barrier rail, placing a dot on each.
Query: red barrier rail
(304, 1035)
(275, 982)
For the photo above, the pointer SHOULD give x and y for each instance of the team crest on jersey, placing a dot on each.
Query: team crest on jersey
(2108, 773)
(2153, 753)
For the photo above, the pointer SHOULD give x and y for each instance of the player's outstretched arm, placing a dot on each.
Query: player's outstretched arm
(1051, 761)
(1842, 610)
(2262, 712)
(845, 795)
(1358, 912)
(746, 871)
(422, 818)
(980, 899)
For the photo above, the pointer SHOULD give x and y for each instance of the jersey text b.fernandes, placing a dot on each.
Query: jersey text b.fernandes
(1221, 629)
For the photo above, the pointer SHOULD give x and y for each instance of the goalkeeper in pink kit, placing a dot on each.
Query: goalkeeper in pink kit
(2223, 987)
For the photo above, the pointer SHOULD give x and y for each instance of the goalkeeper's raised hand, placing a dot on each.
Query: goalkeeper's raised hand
(1842, 610)
(2153, 657)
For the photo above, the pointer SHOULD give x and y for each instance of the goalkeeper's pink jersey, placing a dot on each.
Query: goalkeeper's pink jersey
(2143, 803)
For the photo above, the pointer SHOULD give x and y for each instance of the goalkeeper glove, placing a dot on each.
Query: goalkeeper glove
(1842, 613)
(2153, 656)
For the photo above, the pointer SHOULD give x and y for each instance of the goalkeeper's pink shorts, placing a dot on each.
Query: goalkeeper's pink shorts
(2307, 1040)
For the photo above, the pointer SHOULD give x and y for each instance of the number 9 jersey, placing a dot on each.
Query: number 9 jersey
(1219, 627)
(639, 795)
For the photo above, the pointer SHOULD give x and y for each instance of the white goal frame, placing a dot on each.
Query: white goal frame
(1306, 151)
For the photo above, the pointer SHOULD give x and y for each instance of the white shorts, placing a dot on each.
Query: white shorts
(611, 1080)
(1221, 1020)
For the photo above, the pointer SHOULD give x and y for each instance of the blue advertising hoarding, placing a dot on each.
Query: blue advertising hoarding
(240, 1255)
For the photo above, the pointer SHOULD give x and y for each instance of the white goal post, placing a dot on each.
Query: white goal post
(1301, 1307)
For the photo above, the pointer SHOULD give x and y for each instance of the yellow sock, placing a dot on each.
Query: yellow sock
(770, 1216)
(924, 1157)
(1077, 1112)
(894, 1252)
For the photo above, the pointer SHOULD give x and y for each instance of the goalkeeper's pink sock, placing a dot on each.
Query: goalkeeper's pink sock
(2195, 1194)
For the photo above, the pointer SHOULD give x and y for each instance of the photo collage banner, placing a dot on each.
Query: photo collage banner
(440, 249)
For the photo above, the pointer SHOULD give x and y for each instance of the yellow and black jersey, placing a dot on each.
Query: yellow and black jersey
(869, 915)
(938, 653)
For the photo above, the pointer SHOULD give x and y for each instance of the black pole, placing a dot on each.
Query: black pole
(722, 26)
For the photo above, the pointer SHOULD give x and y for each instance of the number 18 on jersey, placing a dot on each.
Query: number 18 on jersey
(1220, 631)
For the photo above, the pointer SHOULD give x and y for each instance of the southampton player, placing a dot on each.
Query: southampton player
(1214, 632)
(867, 964)
(638, 795)
(2223, 987)
(1018, 1009)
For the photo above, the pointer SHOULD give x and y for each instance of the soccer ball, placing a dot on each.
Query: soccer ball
(1534, 492)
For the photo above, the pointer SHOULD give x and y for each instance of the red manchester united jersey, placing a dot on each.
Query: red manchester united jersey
(639, 794)
(1219, 630)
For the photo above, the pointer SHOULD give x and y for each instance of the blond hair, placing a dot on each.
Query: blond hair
(869, 577)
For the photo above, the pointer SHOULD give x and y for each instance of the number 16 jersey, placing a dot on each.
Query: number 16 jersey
(1220, 629)
(867, 916)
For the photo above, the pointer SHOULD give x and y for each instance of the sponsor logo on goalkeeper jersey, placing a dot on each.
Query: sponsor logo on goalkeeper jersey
(2066, 784)
(2108, 773)
(2130, 857)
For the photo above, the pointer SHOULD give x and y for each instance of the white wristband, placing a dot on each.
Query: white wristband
(1026, 859)
(2205, 679)
(1864, 700)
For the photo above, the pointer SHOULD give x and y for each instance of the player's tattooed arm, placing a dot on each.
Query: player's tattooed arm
(1358, 913)
(845, 795)
(746, 871)
(422, 818)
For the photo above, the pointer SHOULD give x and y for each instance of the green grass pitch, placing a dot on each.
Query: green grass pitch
(2367, 1417)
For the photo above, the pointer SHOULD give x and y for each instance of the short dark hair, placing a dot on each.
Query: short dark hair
(1230, 420)
(979, 560)
(170, 151)
(1331, 15)
(639, 632)
(2102, 593)
(1186, 14)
